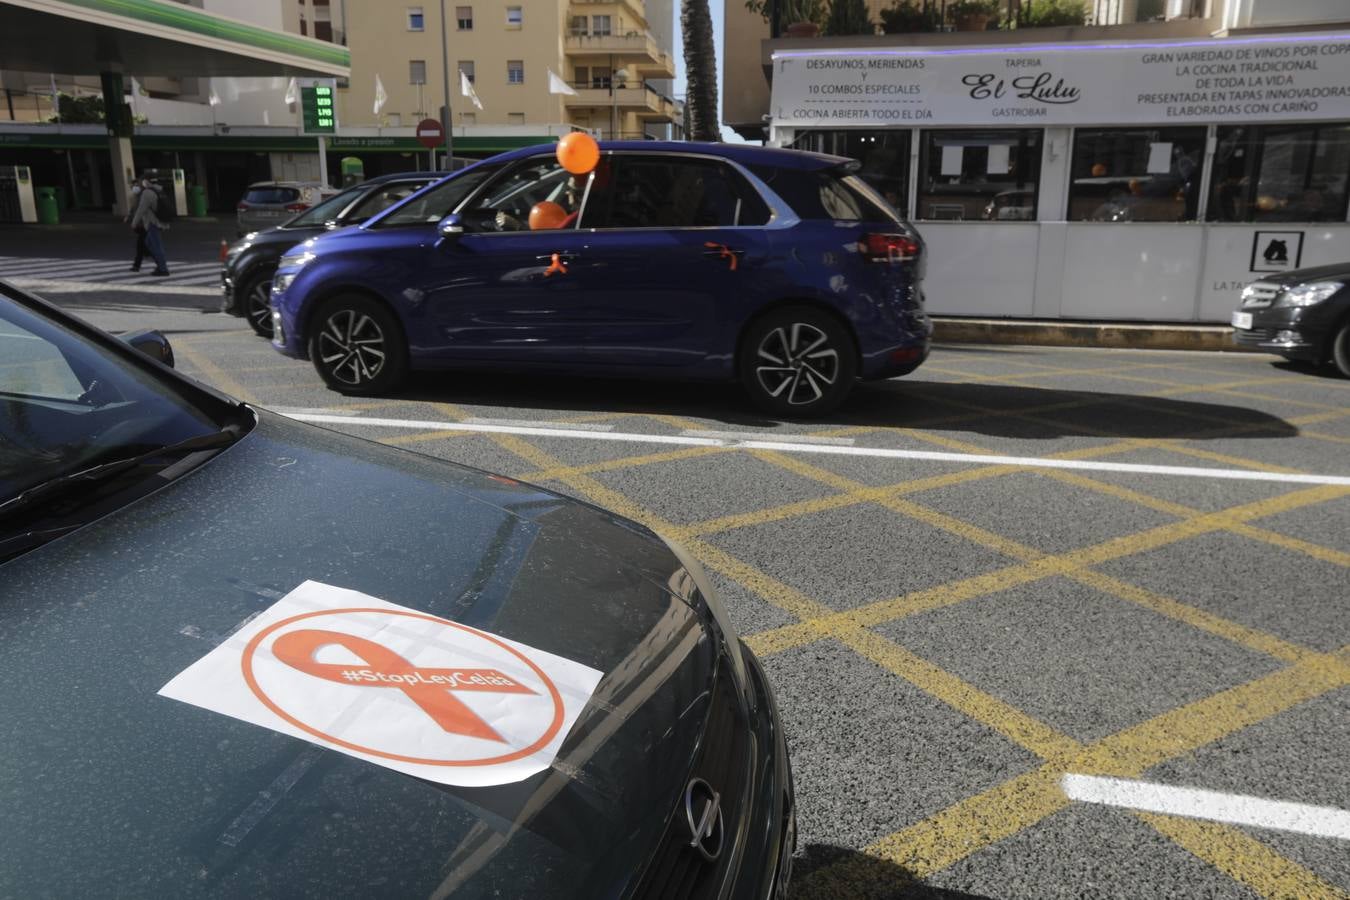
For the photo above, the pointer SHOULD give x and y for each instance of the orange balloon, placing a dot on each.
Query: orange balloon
(578, 152)
(546, 215)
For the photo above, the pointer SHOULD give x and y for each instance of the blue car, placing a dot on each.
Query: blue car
(781, 269)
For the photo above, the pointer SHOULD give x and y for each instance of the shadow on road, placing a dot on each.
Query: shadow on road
(1040, 413)
(823, 872)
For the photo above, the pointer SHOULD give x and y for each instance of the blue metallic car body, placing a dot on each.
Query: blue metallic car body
(635, 301)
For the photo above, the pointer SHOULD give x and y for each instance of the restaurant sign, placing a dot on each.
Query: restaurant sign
(1256, 79)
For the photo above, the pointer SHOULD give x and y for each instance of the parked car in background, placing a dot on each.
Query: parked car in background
(148, 522)
(1301, 315)
(246, 273)
(780, 268)
(269, 203)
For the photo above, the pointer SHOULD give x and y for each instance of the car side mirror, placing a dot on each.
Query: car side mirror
(332, 224)
(152, 343)
(451, 227)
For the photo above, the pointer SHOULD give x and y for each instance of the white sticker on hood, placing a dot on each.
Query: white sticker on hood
(393, 686)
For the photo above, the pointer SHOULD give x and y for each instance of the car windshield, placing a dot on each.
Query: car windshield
(328, 209)
(68, 404)
(436, 203)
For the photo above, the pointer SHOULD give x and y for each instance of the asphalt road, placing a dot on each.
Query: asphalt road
(951, 637)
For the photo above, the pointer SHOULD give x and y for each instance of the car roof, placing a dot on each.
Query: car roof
(745, 154)
(403, 176)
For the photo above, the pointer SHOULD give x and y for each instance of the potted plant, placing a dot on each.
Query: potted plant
(802, 18)
(1044, 13)
(849, 17)
(908, 16)
(972, 15)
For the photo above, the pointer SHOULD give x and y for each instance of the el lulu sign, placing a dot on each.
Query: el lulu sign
(1267, 78)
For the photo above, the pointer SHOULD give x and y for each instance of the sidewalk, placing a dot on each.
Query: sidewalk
(105, 236)
(1065, 333)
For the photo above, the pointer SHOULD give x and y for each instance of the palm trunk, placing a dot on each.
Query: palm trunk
(700, 65)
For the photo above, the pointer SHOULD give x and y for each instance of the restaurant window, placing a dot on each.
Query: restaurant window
(1280, 173)
(1136, 174)
(992, 175)
(884, 156)
(464, 18)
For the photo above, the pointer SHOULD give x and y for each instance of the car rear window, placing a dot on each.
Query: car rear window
(671, 192)
(271, 195)
(826, 194)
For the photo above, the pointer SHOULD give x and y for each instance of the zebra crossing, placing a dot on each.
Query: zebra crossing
(42, 271)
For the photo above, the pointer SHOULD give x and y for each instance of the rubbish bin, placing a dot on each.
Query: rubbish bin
(196, 198)
(61, 197)
(49, 213)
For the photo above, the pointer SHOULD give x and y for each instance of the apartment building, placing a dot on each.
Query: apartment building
(596, 64)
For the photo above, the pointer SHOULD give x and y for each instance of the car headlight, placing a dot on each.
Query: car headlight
(282, 281)
(1310, 294)
(295, 260)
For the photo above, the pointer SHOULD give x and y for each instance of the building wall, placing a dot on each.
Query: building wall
(381, 44)
(743, 84)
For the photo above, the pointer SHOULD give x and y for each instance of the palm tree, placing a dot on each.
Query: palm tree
(700, 66)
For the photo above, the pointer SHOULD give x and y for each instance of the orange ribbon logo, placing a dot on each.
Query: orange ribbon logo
(556, 267)
(431, 689)
(726, 253)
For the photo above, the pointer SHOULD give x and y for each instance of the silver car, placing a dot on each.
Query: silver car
(269, 203)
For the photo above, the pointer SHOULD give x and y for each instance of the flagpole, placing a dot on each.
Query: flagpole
(445, 79)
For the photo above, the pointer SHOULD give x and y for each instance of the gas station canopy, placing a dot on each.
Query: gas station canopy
(154, 37)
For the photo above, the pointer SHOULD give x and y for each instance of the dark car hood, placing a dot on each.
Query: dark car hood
(284, 236)
(111, 789)
(1315, 273)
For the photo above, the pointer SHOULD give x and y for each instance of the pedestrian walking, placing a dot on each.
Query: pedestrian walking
(142, 251)
(145, 217)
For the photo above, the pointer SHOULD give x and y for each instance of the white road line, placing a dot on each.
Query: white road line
(91, 287)
(1234, 809)
(875, 452)
(526, 423)
(755, 436)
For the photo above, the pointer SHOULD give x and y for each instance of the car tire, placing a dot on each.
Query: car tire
(254, 304)
(357, 345)
(1340, 348)
(797, 362)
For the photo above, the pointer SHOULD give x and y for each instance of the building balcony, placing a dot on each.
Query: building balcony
(641, 99)
(635, 8)
(636, 51)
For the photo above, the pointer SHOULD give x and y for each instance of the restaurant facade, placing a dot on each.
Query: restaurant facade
(1127, 179)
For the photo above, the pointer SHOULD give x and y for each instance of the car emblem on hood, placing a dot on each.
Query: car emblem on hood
(703, 809)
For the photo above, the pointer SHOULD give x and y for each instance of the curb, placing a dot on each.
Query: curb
(1056, 333)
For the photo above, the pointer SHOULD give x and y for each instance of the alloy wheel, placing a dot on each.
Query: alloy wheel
(351, 347)
(259, 309)
(796, 363)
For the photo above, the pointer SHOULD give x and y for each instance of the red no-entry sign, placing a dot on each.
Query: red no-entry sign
(430, 133)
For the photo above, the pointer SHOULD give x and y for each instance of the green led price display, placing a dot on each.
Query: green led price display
(316, 108)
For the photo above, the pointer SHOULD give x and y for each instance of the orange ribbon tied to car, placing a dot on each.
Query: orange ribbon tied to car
(556, 267)
(724, 252)
(432, 689)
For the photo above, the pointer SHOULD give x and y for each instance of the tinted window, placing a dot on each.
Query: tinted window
(972, 174)
(328, 209)
(1136, 174)
(271, 195)
(436, 203)
(672, 193)
(825, 194)
(1284, 173)
(383, 197)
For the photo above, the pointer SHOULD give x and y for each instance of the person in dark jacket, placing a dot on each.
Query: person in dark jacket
(145, 217)
(142, 251)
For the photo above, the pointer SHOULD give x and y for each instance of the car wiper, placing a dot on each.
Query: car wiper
(86, 478)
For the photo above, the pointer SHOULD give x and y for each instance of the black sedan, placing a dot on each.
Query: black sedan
(251, 261)
(210, 614)
(1301, 315)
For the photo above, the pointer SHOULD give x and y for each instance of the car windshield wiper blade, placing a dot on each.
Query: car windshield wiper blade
(88, 477)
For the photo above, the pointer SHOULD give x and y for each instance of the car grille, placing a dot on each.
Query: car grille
(1260, 295)
(677, 871)
(1254, 335)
